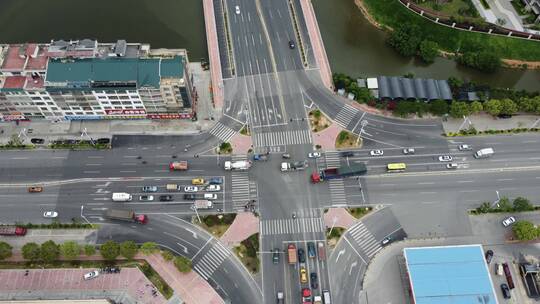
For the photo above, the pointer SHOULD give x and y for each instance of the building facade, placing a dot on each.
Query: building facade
(84, 79)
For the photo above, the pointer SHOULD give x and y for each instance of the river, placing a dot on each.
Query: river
(353, 45)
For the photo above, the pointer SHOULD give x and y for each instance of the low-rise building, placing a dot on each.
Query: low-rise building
(84, 79)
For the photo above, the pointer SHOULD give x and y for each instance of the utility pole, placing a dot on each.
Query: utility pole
(22, 133)
(534, 124)
(363, 124)
(465, 120)
(85, 133)
(496, 202)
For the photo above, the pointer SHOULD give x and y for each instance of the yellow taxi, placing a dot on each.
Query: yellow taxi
(197, 181)
(303, 274)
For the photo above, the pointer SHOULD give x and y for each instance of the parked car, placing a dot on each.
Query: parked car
(149, 189)
(50, 214)
(489, 256)
(165, 198)
(190, 196)
(506, 291)
(91, 275)
(445, 158)
(311, 250)
(213, 188)
(314, 155)
(301, 255)
(314, 282)
(508, 221)
(408, 151)
(504, 116)
(35, 189)
(275, 256)
(103, 140)
(464, 148)
(387, 240)
(37, 141)
(376, 152)
(146, 198)
(191, 189)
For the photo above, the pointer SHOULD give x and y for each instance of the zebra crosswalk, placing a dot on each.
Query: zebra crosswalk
(337, 192)
(211, 260)
(292, 226)
(281, 138)
(222, 132)
(365, 239)
(332, 159)
(346, 115)
(243, 190)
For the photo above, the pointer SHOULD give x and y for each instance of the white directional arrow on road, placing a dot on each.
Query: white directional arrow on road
(339, 254)
(185, 248)
(192, 232)
(352, 265)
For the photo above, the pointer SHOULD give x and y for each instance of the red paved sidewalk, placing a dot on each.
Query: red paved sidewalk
(327, 137)
(317, 43)
(339, 217)
(213, 53)
(241, 143)
(245, 224)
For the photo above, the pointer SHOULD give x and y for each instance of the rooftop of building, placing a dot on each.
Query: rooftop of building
(12, 60)
(142, 71)
(449, 274)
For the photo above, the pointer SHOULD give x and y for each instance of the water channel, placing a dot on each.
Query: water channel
(352, 44)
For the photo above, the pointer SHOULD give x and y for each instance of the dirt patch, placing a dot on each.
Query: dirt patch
(318, 121)
(247, 253)
(346, 139)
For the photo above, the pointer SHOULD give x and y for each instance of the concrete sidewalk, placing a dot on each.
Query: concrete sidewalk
(482, 122)
(81, 236)
(327, 137)
(339, 217)
(245, 224)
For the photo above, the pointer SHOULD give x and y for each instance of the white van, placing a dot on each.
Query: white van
(326, 297)
(484, 153)
(121, 197)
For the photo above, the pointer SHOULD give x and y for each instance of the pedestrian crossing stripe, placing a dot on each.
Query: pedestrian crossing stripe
(365, 239)
(208, 264)
(291, 226)
(282, 138)
(222, 132)
(345, 116)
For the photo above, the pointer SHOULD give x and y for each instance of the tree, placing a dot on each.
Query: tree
(455, 83)
(167, 255)
(522, 204)
(31, 251)
(149, 248)
(70, 250)
(110, 250)
(428, 50)
(485, 207)
(525, 230)
(405, 39)
(493, 107)
(405, 108)
(5, 250)
(89, 249)
(128, 249)
(459, 109)
(50, 251)
(527, 104)
(505, 205)
(484, 60)
(438, 107)
(508, 106)
(182, 264)
(476, 107)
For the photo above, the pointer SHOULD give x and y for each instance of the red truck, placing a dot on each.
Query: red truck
(321, 251)
(178, 166)
(291, 249)
(126, 215)
(12, 230)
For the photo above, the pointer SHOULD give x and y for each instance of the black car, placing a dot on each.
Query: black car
(103, 140)
(347, 154)
(489, 256)
(291, 45)
(190, 196)
(275, 256)
(165, 198)
(504, 116)
(314, 283)
(301, 255)
(505, 291)
(311, 250)
(37, 141)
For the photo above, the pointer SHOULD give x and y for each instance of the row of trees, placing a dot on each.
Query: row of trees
(408, 40)
(342, 81)
(519, 204)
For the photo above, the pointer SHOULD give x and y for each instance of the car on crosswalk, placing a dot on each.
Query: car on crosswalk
(314, 155)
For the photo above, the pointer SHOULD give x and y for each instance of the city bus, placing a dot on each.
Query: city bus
(396, 167)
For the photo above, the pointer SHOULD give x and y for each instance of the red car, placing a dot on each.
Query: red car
(306, 295)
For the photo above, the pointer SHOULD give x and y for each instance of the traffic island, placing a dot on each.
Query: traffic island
(218, 224)
(247, 253)
(333, 235)
(225, 148)
(346, 139)
(359, 212)
(318, 121)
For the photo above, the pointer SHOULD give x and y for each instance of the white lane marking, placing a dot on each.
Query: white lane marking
(95, 156)
(504, 179)
(128, 171)
(93, 164)
(17, 158)
(91, 172)
(465, 181)
(426, 183)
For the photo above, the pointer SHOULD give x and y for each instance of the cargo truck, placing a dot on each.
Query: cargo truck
(121, 197)
(12, 230)
(508, 275)
(291, 252)
(126, 215)
(332, 173)
(237, 165)
(203, 204)
(178, 166)
(321, 251)
(484, 153)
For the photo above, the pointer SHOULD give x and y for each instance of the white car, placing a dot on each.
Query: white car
(464, 148)
(146, 198)
(508, 221)
(91, 275)
(191, 189)
(213, 188)
(408, 151)
(314, 155)
(376, 152)
(210, 196)
(445, 158)
(452, 166)
(50, 214)
(237, 9)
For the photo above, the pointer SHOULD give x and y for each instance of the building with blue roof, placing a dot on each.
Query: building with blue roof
(449, 275)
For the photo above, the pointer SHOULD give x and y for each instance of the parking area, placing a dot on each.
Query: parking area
(128, 286)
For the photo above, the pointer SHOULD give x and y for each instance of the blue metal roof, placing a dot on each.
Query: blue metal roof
(449, 275)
